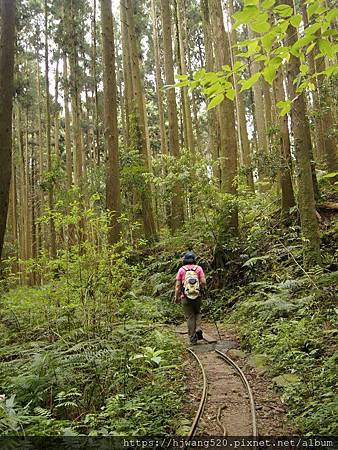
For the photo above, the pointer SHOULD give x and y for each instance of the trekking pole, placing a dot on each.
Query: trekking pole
(213, 317)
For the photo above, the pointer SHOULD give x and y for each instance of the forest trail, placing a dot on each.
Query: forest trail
(227, 408)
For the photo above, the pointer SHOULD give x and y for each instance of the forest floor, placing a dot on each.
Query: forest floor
(226, 391)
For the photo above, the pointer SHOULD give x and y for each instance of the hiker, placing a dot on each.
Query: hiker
(190, 285)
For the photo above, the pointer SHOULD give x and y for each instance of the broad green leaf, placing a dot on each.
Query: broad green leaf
(331, 70)
(330, 175)
(304, 68)
(253, 47)
(244, 16)
(226, 68)
(310, 48)
(312, 28)
(230, 94)
(312, 9)
(194, 84)
(330, 33)
(296, 20)
(182, 77)
(199, 74)
(268, 3)
(283, 10)
(284, 107)
(267, 41)
(181, 84)
(283, 26)
(261, 58)
(250, 2)
(226, 84)
(216, 101)
(260, 27)
(214, 89)
(326, 48)
(332, 14)
(282, 52)
(302, 42)
(269, 73)
(238, 66)
(246, 84)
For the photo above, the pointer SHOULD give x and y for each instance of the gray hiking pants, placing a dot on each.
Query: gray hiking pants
(192, 313)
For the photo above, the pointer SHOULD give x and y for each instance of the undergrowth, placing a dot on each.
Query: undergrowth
(91, 351)
(87, 354)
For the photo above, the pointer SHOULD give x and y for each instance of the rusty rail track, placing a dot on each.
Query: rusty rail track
(203, 399)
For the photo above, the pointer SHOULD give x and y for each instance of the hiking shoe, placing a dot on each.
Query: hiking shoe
(193, 340)
(199, 334)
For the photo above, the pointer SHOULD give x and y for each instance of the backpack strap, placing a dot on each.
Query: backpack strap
(194, 268)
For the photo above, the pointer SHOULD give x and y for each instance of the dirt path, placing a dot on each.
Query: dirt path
(226, 389)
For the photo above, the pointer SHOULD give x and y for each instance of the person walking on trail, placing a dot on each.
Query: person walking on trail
(190, 285)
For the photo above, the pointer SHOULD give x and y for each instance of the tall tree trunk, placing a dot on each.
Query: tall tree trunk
(226, 111)
(41, 202)
(96, 98)
(326, 109)
(57, 112)
(126, 73)
(75, 91)
(240, 101)
(48, 138)
(318, 134)
(186, 104)
(140, 132)
(177, 216)
(259, 115)
(300, 126)
(287, 197)
(213, 122)
(68, 143)
(7, 39)
(113, 195)
(158, 81)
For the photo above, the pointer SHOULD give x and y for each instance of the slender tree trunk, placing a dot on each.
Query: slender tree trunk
(22, 186)
(287, 197)
(226, 111)
(140, 122)
(240, 101)
(177, 216)
(113, 195)
(75, 92)
(41, 202)
(48, 138)
(306, 198)
(318, 134)
(7, 39)
(267, 108)
(27, 198)
(187, 120)
(57, 112)
(14, 209)
(96, 98)
(330, 139)
(126, 73)
(258, 97)
(213, 122)
(158, 81)
(68, 144)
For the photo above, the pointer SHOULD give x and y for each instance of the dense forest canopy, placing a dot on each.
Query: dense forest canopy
(139, 129)
(111, 108)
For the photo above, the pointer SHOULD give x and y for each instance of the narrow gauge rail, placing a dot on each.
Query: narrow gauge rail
(203, 399)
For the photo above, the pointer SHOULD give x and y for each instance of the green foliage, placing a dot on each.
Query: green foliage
(291, 316)
(84, 353)
(218, 85)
